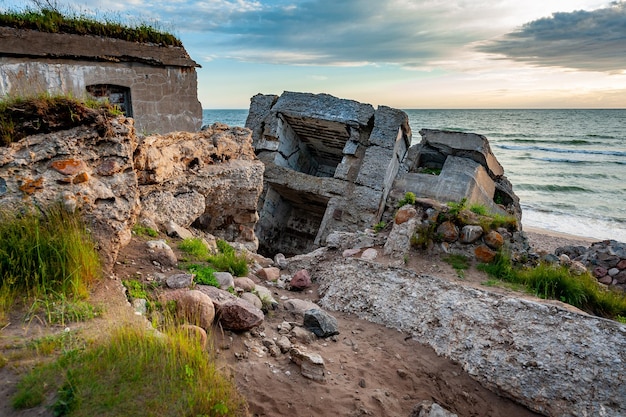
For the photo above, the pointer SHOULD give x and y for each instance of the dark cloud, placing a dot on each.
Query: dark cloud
(585, 40)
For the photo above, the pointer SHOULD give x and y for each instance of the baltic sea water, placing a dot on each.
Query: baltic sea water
(568, 167)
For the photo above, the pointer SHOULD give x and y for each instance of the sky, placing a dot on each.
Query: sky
(422, 54)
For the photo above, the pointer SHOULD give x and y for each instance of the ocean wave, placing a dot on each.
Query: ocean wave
(562, 150)
(553, 188)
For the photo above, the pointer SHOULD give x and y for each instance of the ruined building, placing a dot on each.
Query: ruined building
(335, 164)
(155, 85)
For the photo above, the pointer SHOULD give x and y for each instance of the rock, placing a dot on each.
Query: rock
(196, 332)
(140, 305)
(252, 299)
(606, 280)
(398, 243)
(470, 234)
(448, 232)
(430, 409)
(620, 278)
(298, 307)
(565, 260)
(369, 254)
(266, 297)
(321, 323)
(494, 240)
(280, 260)
(178, 281)
(302, 335)
(269, 274)
(244, 283)
(161, 253)
(599, 272)
(621, 265)
(350, 252)
(613, 271)
(196, 307)
(311, 364)
(225, 279)
(404, 214)
(484, 254)
(284, 344)
(301, 280)
(219, 297)
(577, 268)
(174, 230)
(239, 315)
(284, 327)
(168, 206)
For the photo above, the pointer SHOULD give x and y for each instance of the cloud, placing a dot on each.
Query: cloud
(585, 40)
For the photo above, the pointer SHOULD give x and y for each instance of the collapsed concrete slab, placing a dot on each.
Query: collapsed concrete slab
(330, 164)
(339, 165)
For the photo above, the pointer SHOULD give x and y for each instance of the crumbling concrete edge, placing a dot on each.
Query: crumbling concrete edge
(554, 361)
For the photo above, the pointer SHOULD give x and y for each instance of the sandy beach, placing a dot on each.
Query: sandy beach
(546, 241)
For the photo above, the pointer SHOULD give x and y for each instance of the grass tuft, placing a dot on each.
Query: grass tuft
(48, 257)
(134, 372)
(194, 247)
(228, 260)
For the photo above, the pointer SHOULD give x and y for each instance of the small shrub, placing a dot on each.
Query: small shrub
(203, 275)
(379, 226)
(194, 247)
(140, 230)
(479, 209)
(409, 198)
(228, 260)
(456, 208)
(424, 234)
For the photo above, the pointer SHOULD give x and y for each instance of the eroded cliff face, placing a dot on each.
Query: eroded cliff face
(210, 178)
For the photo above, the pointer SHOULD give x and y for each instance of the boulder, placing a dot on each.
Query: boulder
(174, 230)
(311, 364)
(494, 240)
(239, 315)
(301, 280)
(265, 295)
(448, 232)
(178, 281)
(225, 279)
(219, 297)
(369, 254)
(196, 307)
(470, 234)
(244, 283)
(298, 306)
(269, 274)
(252, 299)
(484, 254)
(196, 332)
(404, 214)
(162, 253)
(321, 323)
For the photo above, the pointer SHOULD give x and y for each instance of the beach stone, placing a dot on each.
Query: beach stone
(284, 344)
(311, 364)
(448, 231)
(252, 299)
(269, 274)
(484, 254)
(606, 280)
(177, 281)
(599, 272)
(564, 259)
(240, 315)
(404, 214)
(369, 254)
(494, 240)
(621, 264)
(470, 234)
(196, 307)
(620, 278)
(430, 409)
(225, 279)
(196, 332)
(577, 268)
(161, 252)
(301, 280)
(613, 271)
(321, 323)
(280, 260)
(244, 283)
(607, 260)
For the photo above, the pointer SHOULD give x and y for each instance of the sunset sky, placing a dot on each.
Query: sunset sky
(400, 53)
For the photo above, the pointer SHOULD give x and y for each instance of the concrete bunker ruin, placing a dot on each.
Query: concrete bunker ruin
(335, 164)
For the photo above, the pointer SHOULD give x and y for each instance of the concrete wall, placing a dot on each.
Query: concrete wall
(162, 80)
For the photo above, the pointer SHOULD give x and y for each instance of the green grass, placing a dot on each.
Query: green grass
(460, 263)
(132, 373)
(47, 258)
(194, 247)
(228, 260)
(479, 209)
(48, 18)
(135, 289)
(51, 114)
(140, 230)
(203, 275)
(409, 198)
(379, 226)
(556, 282)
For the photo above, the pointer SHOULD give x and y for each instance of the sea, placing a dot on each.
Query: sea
(568, 167)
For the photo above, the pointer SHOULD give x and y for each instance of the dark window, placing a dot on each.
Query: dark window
(115, 94)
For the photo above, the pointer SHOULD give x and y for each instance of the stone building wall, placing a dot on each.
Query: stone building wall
(158, 83)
